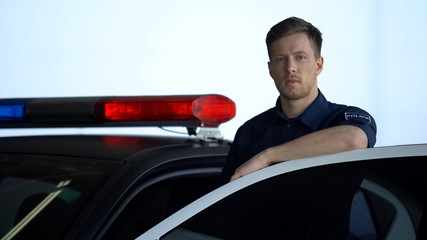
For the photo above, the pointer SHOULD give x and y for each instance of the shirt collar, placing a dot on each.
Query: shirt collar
(312, 116)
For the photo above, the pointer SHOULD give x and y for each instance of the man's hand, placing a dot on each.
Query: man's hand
(256, 163)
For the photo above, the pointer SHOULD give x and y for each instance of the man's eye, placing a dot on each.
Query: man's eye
(280, 59)
(300, 57)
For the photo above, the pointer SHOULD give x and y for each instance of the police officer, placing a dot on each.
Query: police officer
(303, 123)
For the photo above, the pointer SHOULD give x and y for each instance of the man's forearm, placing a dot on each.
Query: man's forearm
(327, 141)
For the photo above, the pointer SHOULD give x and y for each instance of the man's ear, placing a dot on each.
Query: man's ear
(319, 62)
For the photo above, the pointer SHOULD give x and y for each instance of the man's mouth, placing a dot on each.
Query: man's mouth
(292, 80)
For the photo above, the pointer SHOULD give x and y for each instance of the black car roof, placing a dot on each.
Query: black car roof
(89, 146)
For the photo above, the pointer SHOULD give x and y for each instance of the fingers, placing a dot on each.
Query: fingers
(243, 170)
(254, 164)
(237, 174)
(234, 177)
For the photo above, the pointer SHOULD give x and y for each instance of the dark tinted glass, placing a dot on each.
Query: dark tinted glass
(158, 201)
(361, 200)
(361, 220)
(41, 195)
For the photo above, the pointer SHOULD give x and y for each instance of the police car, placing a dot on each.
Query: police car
(154, 187)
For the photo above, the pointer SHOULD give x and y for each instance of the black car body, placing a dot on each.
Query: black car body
(101, 174)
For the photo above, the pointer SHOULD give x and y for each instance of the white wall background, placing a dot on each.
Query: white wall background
(375, 53)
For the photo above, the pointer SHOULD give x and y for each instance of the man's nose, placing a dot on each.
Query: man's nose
(291, 66)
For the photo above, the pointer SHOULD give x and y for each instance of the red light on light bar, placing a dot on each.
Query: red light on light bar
(209, 110)
(214, 109)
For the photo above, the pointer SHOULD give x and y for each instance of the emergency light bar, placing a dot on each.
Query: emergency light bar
(180, 110)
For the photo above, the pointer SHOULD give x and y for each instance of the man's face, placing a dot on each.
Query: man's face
(294, 67)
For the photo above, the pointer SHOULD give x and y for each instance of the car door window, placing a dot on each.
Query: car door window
(156, 202)
(360, 200)
(361, 221)
(164, 195)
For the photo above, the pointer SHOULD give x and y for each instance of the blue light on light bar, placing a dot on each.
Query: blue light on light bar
(11, 112)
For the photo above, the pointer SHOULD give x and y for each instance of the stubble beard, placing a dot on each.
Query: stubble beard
(295, 92)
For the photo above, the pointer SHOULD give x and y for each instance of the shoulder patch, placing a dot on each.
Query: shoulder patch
(351, 115)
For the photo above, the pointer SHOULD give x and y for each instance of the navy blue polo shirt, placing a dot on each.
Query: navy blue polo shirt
(272, 128)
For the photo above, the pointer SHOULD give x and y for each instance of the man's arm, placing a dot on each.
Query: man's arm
(326, 141)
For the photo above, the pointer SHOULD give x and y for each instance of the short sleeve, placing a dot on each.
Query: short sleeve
(360, 118)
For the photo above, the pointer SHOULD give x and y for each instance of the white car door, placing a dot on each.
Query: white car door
(362, 194)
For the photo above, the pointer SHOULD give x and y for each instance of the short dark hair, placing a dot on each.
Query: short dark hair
(294, 25)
